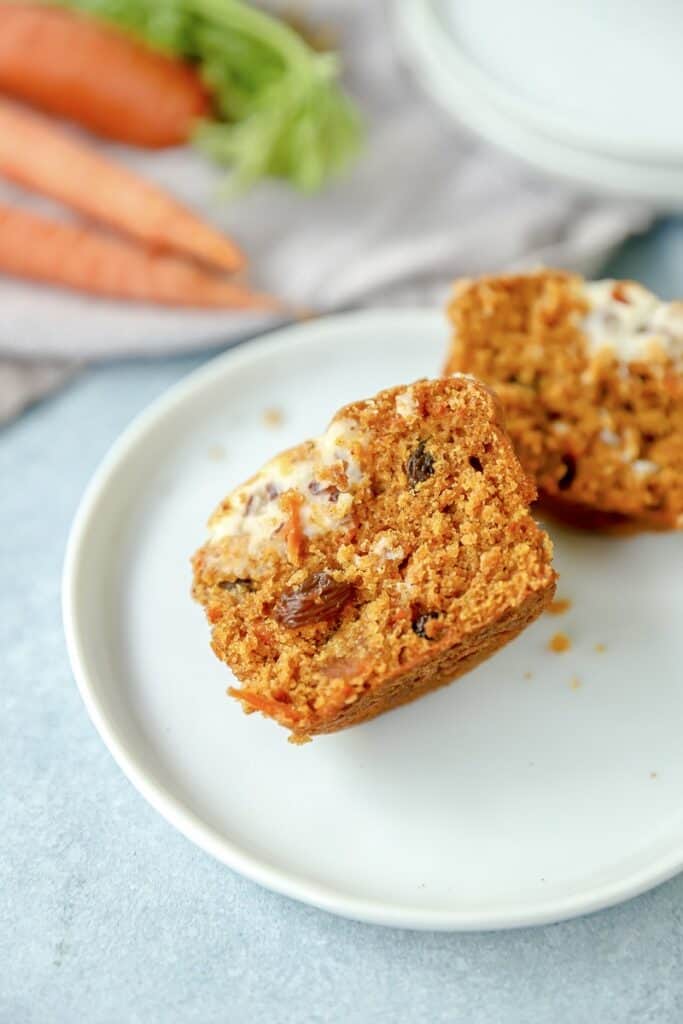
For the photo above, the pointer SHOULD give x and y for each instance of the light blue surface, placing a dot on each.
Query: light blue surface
(108, 916)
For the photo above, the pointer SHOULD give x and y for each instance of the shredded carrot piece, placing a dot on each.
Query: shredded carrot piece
(291, 502)
(267, 705)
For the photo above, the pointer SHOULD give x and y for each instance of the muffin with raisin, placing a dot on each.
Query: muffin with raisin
(371, 565)
(590, 376)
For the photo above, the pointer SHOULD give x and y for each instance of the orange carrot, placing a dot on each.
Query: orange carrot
(70, 65)
(76, 257)
(48, 159)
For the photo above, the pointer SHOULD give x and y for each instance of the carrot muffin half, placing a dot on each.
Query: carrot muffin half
(590, 376)
(366, 567)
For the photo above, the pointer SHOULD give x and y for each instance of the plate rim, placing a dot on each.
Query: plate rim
(541, 119)
(182, 817)
(462, 98)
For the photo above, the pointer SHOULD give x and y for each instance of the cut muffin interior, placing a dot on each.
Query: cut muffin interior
(361, 569)
(590, 377)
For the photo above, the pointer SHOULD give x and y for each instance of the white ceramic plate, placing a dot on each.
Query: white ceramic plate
(551, 105)
(538, 787)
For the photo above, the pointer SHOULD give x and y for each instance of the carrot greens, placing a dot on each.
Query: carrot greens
(279, 109)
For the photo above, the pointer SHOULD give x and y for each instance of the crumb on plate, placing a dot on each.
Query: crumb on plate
(559, 643)
(559, 606)
(216, 452)
(273, 417)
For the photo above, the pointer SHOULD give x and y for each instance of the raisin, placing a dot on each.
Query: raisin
(330, 491)
(319, 599)
(237, 584)
(420, 623)
(258, 499)
(420, 465)
(567, 478)
(476, 465)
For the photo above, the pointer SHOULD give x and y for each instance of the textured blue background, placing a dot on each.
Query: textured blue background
(108, 916)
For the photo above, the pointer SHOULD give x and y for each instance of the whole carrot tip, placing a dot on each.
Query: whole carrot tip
(305, 313)
(271, 303)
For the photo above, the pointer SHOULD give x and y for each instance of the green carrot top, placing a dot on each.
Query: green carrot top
(280, 111)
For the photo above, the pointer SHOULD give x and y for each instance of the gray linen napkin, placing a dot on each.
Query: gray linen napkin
(426, 202)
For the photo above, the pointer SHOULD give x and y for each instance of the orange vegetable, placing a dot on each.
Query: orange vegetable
(76, 257)
(71, 65)
(48, 159)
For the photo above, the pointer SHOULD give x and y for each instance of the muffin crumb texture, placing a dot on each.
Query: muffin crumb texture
(371, 565)
(590, 377)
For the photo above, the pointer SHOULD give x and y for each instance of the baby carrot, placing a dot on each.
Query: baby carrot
(66, 255)
(72, 66)
(47, 159)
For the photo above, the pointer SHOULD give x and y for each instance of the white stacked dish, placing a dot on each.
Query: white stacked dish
(587, 91)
